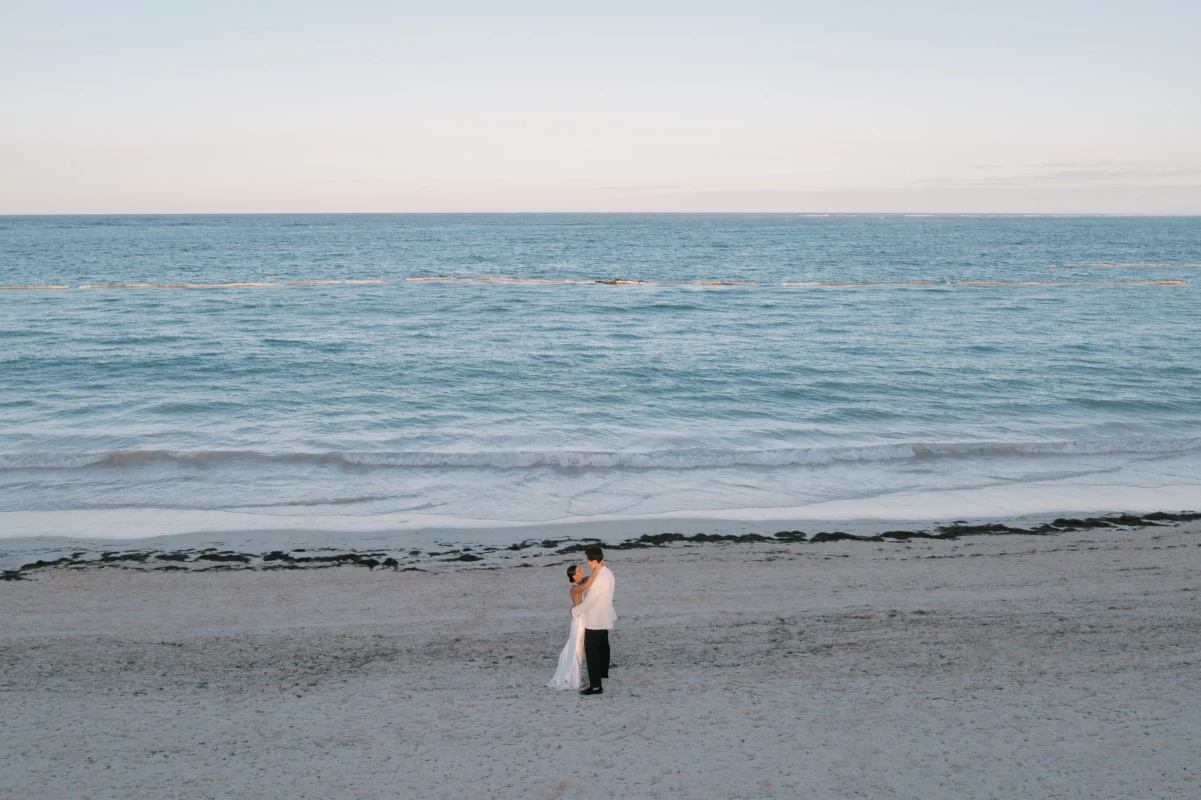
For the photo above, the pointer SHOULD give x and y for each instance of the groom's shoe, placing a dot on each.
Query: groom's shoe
(590, 690)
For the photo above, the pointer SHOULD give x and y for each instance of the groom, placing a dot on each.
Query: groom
(597, 611)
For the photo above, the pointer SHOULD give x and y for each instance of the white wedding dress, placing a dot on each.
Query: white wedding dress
(567, 676)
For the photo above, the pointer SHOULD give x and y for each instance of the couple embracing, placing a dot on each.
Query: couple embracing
(591, 618)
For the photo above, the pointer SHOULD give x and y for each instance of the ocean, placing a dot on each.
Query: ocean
(961, 367)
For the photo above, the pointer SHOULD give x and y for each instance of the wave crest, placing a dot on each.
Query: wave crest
(591, 459)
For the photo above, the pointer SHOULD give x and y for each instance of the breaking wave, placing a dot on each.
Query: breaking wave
(592, 459)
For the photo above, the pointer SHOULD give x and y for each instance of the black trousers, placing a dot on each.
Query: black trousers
(596, 651)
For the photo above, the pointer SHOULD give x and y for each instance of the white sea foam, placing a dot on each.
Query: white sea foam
(997, 502)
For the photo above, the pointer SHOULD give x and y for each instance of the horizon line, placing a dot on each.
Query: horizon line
(814, 214)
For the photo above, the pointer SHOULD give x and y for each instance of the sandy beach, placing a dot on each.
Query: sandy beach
(990, 666)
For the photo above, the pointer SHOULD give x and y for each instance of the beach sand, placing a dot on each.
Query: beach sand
(1012, 666)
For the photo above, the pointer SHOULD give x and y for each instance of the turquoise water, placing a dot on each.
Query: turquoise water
(536, 402)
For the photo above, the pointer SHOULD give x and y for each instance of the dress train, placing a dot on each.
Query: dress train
(567, 676)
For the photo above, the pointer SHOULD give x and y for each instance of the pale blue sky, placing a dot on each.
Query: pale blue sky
(751, 106)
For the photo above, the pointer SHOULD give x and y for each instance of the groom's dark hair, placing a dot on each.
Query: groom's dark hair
(594, 553)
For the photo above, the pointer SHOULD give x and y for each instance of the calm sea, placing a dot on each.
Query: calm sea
(502, 402)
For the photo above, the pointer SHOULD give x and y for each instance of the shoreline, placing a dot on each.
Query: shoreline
(300, 525)
(24, 559)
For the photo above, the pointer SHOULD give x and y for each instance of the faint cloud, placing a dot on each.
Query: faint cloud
(635, 188)
(1076, 174)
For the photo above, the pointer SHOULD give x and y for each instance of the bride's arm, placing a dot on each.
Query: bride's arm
(577, 591)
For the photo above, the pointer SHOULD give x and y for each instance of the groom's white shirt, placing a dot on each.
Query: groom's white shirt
(597, 608)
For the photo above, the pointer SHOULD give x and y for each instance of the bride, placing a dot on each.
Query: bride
(567, 676)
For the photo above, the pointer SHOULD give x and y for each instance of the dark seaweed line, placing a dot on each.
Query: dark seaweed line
(945, 532)
(211, 559)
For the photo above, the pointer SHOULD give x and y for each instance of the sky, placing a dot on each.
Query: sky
(914, 107)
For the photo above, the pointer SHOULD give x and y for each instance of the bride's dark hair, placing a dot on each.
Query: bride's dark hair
(571, 572)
